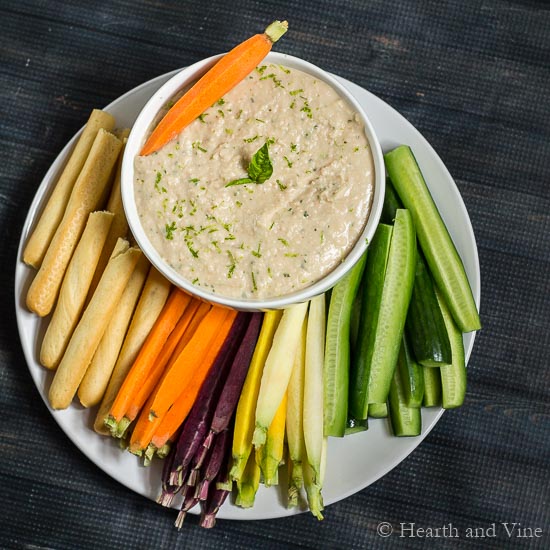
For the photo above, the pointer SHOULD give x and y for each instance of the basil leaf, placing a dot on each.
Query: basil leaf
(260, 168)
(240, 181)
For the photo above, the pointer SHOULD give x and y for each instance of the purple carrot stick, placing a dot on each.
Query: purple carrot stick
(198, 459)
(235, 379)
(188, 502)
(217, 493)
(196, 425)
(214, 464)
(168, 490)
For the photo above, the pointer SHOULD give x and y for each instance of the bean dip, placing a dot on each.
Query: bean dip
(254, 239)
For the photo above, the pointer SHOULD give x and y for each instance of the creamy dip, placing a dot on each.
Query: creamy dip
(260, 240)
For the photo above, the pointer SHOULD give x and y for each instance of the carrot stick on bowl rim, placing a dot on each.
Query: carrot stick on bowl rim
(233, 67)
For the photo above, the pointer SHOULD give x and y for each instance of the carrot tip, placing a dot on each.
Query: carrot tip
(164, 450)
(165, 499)
(276, 30)
(149, 454)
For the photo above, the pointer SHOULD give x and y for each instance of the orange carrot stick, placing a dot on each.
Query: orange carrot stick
(164, 325)
(159, 366)
(216, 82)
(204, 308)
(169, 423)
(175, 416)
(192, 363)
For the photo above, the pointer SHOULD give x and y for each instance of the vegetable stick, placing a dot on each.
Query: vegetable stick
(432, 387)
(378, 410)
(197, 424)
(119, 227)
(207, 336)
(278, 368)
(74, 289)
(170, 423)
(323, 469)
(168, 491)
(194, 362)
(336, 370)
(199, 315)
(170, 315)
(183, 326)
(234, 381)
(187, 321)
(51, 216)
(236, 376)
(90, 329)
(245, 416)
(313, 487)
(94, 383)
(85, 197)
(435, 241)
(216, 496)
(248, 483)
(173, 419)
(152, 300)
(272, 450)
(412, 374)
(220, 448)
(394, 302)
(189, 501)
(405, 421)
(313, 384)
(453, 377)
(294, 420)
(372, 287)
(313, 492)
(222, 77)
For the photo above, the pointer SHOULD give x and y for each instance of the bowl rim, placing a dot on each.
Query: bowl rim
(136, 138)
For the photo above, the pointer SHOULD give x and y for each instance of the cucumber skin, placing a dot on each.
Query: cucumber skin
(412, 375)
(372, 285)
(453, 377)
(425, 326)
(436, 243)
(405, 421)
(337, 352)
(394, 304)
(432, 387)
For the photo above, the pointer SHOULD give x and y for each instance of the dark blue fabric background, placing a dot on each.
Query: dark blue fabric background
(474, 78)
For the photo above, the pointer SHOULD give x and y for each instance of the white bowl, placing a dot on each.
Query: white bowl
(137, 138)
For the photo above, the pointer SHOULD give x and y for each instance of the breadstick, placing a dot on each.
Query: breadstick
(122, 133)
(74, 288)
(92, 325)
(119, 227)
(152, 300)
(38, 242)
(86, 194)
(97, 376)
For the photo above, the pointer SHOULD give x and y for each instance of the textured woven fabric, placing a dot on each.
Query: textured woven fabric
(474, 78)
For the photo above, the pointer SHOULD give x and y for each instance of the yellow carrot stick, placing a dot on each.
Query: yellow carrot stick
(244, 419)
(274, 446)
(248, 483)
(313, 384)
(294, 421)
(278, 368)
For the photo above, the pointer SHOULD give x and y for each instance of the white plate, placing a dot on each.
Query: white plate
(353, 462)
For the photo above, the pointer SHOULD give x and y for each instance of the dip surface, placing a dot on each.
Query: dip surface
(260, 240)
